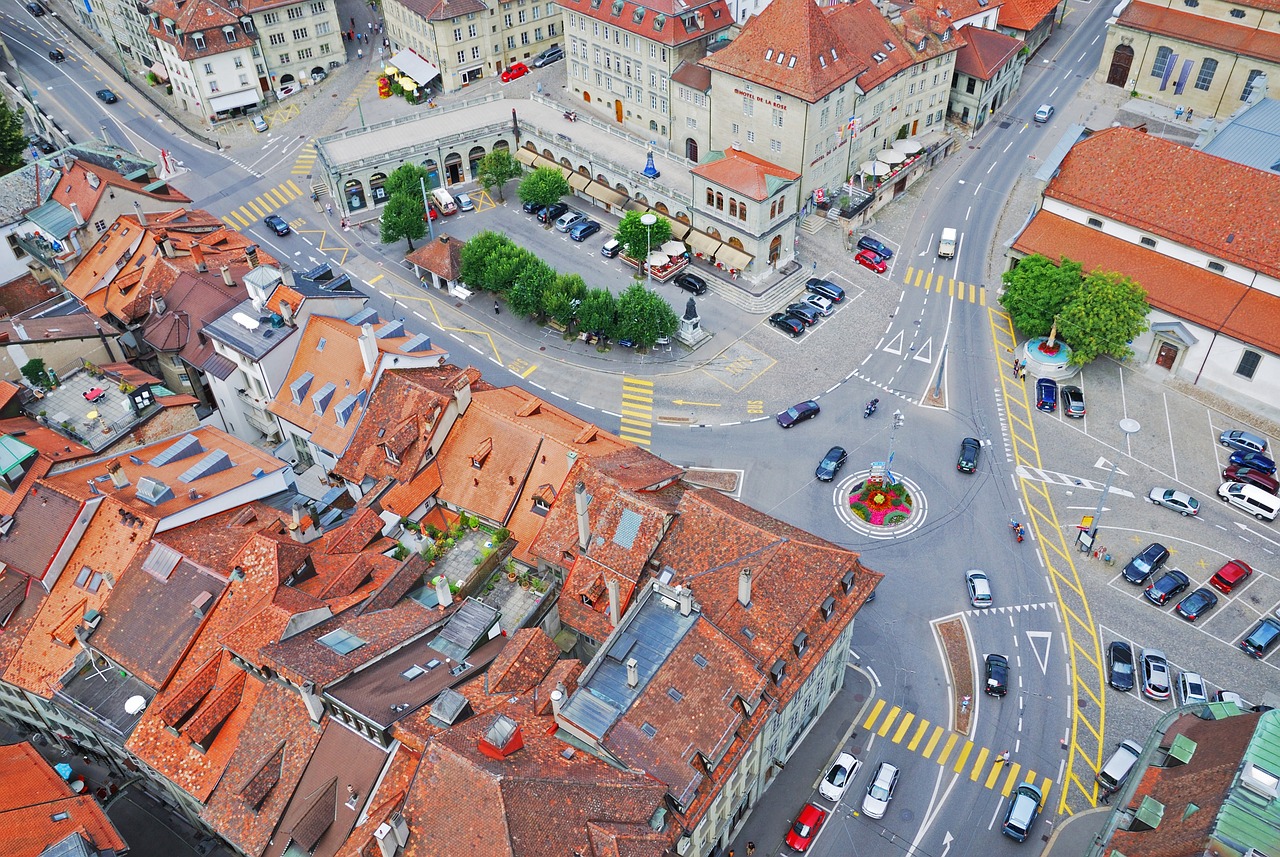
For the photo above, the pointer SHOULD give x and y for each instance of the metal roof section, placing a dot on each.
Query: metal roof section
(161, 562)
(13, 454)
(106, 697)
(1074, 134)
(628, 528)
(249, 330)
(55, 219)
(73, 846)
(1250, 816)
(184, 447)
(633, 654)
(1251, 137)
(466, 629)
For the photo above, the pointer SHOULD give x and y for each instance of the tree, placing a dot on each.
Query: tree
(598, 311)
(560, 307)
(505, 267)
(407, 179)
(528, 295)
(13, 142)
(496, 169)
(644, 317)
(1036, 292)
(1107, 312)
(638, 239)
(476, 255)
(543, 186)
(403, 217)
(34, 371)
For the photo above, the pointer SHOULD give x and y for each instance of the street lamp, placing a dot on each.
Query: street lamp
(1129, 427)
(648, 220)
(899, 418)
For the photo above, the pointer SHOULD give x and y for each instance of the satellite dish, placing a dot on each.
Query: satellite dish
(135, 704)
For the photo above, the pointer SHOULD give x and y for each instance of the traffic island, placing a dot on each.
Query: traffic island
(880, 505)
(955, 642)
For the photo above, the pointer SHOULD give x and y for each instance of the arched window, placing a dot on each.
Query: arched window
(733, 207)
(742, 211)
(711, 197)
(1205, 77)
(1162, 61)
(1248, 86)
(773, 209)
(720, 201)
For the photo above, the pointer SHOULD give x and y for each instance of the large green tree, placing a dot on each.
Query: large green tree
(13, 142)
(598, 311)
(528, 294)
(1106, 313)
(403, 217)
(644, 317)
(543, 186)
(476, 255)
(638, 239)
(1036, 291)
(496, 169)
(407, 179)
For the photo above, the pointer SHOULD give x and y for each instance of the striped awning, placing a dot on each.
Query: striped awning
(679, 229)
(605, 194)
(635, 205)
(702, 243)
(578, 181)
(526, 156)
(732, 257)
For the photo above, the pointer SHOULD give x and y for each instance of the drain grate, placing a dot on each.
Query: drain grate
(1005, 124)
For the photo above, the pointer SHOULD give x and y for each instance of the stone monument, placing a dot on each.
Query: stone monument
(691, 332)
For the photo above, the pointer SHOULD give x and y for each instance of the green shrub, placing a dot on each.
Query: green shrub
(894, 518)
(861, 510)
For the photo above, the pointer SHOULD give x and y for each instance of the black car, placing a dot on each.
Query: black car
(532, 207)
(788, 324)
(1120, 666)
(1196, 604)
(552, 212)
(276, 224)
(826, 288)
(547, 57)
(807, 313)
(997, 676)
(42, 144)
(1146, 563)
(866, 242)
(1262, 637)
(57, 56)
(1166, 587)
(830, 464)
(106, 96)
(1073, 402)
(798, 413)
(35, 9)
(691, 283)
(968, 460)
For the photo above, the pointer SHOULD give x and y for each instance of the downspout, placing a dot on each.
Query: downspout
(1209, 350)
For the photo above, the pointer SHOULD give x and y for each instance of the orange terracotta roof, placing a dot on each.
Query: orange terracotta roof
(1024, 15)
(1178, 288)
(77, 188)
(442, 257)
(51, 448)
(985, 53)
(404, 497)
(37, 808)
(752, 177)
(1244, 40)
(667, 22)
(522, 663)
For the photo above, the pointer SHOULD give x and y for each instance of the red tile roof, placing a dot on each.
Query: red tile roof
(667, 22)
(522, 663)
(1244, 40)
(1178, 288)
(1023, 15)
(77, 188)
(752, 177)
(986, 52)
(1143, 181)
(194, 17)
(442, 257)
(51, 448)
(37, 808)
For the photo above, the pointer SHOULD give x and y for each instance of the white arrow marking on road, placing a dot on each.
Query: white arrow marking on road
(895, 344)
(1103, 464)
(1032, 637)
(1256, 533)
(925, 352)
(947, 839)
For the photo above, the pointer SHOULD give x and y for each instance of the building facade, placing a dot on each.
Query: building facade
(988, 73)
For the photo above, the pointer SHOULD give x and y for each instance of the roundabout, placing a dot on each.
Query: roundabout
(872, 505)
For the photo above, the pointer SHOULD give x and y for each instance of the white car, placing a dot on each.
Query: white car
(979, 587)
(1191, 689)
(838, 778)
(824, 306)
(880, 792)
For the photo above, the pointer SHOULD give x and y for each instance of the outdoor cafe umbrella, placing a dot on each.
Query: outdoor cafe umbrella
(391, 70)
(656, 259)
(891, 156)
(407, 82)
(673, 248)
(911, 147)
(874, 168)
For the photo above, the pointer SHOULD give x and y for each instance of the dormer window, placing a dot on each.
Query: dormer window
(922, 43)
(198, 40)
(230, 34)
(481, 453)
(800, 644)
(390, 454)
(616, 9)
(168, 27)
(247, 23)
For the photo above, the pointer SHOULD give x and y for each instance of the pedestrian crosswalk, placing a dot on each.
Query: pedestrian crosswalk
(263, 204)
(636, 410)
(934, 282)
(306, 160)
(994, 769)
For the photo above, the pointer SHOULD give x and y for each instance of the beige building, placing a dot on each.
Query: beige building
(467, 40)
(1205, 57)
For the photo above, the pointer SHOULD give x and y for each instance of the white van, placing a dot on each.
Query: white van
(1251, 499)
(1117, 768)
(947, 244)
(444, 201)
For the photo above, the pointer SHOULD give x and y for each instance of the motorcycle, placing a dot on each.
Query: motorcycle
(1018, 532)
(571, 115)
(871, 408)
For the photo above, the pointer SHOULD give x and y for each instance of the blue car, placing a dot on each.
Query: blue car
(585, 229)
(1047, 394)
(1256, 460)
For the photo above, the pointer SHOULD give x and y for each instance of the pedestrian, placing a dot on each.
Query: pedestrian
(496, 309)
(359, 53)
(371, 26)
(353, 22)
(1003, 757)
(328, 208)
(751, 848)
(730, 852)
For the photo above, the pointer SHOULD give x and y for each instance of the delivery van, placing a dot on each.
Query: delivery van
(444, 201)
(947, 244)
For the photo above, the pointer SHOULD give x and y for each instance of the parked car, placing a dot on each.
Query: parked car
(804, 312)
(1044, 113)
(826, 288)
(1073, 402)
(583, 229)
(871, 261)
(1256, 460)
(1047, 394)
(276, 224)
(1252, 476)
(830, 464)
(798, 413)
(1196, 604)
(533, 207)
(1170, 584)
(807, 825)
(836, 782)
(1116, 769)
(106, 96)
(569, 219)
(880, 792)
(997, 669)
(1120, 665)
(824, 306)
(1146, 563)
(1262, 637)
(690, 283)
(1179, 501)
(41, 144)
(979, 586)
(969, 450)
(788, 324)
(1024, 808)
(555, 53)
(1244, 441)
(611, 248)
(260, 124)
(866, 242)
(552, 212)
(464, 201)
(1232, 697)
(1233, 573)
(56, 55)
(1155, 674)
(513, 71)
(1191, 689)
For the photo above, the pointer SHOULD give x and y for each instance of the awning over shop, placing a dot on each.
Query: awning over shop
(680, 229)
(732, 257)
(605, 194)
(409, 63)
(157, 68)
(635, 205)
(232, 100)
(578, 181)
(528, 157)
(702, 243)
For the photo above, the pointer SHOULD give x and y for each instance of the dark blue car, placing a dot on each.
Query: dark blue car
(1256, 460)
(1047, 394)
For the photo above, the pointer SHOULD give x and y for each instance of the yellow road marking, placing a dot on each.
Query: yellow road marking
(278, 195)
(902, 728)
(919, 277)
(636, 398)
(995, 773)
(643, 441)
(979, 765)
(529, 371)
(375, 279)
(1011, 779)
(294, 187)
(629, 412)
(963, 757)
(875, 712)
(1045, 786)
(637, 426)
(933, 741)
(982, 296)
(915, 739)
(946, 750)
(640, 382)
(231, 223)
(888, 721)
(252, 204)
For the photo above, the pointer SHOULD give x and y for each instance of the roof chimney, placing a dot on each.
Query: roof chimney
(557, 699)
(75, 212)
(286, 313)
(686, 600)
(584, 524)
(251, 255)
(226, 276)
(137, 212)
(119, 479)
(443, 595)
(197, 256)
(615, 608)
(166, 244)
(633, 672)
(744, 587)
(368, 348)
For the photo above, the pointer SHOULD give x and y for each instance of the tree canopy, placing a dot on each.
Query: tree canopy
(403, 217)
(496, 169)
(543, 186)
(644, 317)
(638, 239)
(1037, 290)
(406, 179)
(598, 311)
(13, 143)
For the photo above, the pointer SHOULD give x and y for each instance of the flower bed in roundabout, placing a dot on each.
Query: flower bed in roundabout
(880, 504)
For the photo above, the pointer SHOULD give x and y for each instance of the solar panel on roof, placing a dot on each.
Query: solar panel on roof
(628, 527)
(161, 561)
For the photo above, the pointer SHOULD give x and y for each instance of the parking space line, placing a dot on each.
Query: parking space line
(963, 757)
(875, 713)
(980, 765)
(915, 739)
(902, 728)
(1010, 779)
(888, 721)
(946, 750)
(933, 741)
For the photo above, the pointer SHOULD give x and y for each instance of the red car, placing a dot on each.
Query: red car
(1251, 476)
(806, 827)
(867, 259)
(515, 70)
(1231, 575)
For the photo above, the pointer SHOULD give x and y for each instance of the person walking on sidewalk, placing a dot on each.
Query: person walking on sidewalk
(1003, 758)
(496, 309)
(751, 848)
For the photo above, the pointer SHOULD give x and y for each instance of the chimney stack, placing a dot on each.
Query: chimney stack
(166, 244)
(119, 479)
(197, 256)
(286, 313)
(557, 699)
(137, 212)
(251, 255)
(686, 601)
(615, 608)
(633, 672)
(584, 523)
(75, 212)
(368, 348)
(443, 595)
(744, 587)
(226, 276)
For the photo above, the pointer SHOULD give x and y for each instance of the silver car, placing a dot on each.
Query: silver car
(880, 792)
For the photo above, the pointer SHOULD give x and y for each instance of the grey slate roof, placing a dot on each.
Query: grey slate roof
(1251, 138)
(24, 189)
